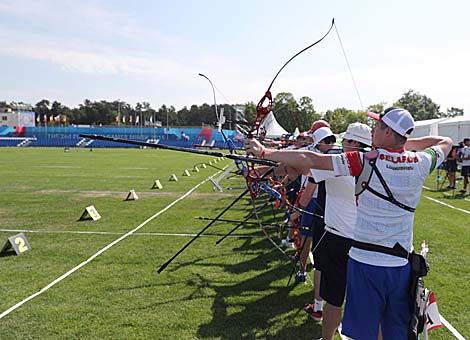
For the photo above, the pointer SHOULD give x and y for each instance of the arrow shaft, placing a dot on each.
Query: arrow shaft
(181, 149)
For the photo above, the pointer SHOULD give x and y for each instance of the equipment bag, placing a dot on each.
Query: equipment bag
(418, 296)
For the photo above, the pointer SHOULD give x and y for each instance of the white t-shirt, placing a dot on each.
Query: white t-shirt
(379, 221)
(340, 203)
(465, 153)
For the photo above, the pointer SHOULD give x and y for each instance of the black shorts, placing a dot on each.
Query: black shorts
(318, 231)
(334, 257)
(451, 165)
(466, 171)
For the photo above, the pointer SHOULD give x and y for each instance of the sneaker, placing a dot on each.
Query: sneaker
(463, 191)
(451, 187)
(315, 315)
(300, 277)
(288, 243)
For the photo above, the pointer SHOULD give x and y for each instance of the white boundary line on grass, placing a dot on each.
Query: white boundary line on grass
(451, 328)
(116, 233)
(447, 205)
(71, 271)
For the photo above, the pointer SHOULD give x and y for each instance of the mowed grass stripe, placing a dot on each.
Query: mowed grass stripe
(101, 251)
(114, 233)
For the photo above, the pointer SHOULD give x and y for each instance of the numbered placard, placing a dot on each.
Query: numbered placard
(19, 243)
(90, 213)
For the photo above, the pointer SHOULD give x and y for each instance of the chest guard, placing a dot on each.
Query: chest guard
(369, 167)
(368, 164)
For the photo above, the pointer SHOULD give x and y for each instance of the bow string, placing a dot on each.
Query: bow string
(263, 108)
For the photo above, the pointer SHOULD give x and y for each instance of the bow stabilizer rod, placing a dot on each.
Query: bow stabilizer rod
(181, 149)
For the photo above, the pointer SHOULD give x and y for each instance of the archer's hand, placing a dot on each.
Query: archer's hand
(294, 217)
(253, 146)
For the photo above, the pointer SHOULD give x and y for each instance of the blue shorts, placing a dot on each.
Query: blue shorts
(306, 220)
(377, 296)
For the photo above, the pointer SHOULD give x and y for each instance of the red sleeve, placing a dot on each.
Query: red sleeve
(354, 162)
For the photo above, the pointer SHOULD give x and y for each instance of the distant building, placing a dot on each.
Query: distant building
(17, 114)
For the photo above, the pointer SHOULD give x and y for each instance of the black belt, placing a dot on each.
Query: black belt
(397, 249)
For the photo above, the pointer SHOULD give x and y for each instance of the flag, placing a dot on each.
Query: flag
(130, 119)
(51, 119)
(123, 119)
(136, 119)
(432, 314)
(64, 118)
(44, 119)
(151, 119)
(37, 119)
(116, 119)
(57, 118)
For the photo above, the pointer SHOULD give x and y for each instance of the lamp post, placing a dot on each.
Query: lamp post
(167, 125)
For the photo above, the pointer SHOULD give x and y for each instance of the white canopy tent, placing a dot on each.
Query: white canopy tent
(456, 128)
(272, 127)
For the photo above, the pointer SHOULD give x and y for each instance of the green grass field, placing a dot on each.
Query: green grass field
(235, 290)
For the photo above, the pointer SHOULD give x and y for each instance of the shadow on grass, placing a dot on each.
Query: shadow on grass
(261, 307)
(8, 253)
(263, 310)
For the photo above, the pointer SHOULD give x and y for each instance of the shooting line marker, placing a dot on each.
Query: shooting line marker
(157, 185)
(90, 213)
(19, 243)
(131, 196)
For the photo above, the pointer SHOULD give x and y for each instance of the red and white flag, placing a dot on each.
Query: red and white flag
(433, 320)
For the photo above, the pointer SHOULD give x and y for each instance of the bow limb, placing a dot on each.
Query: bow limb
(228, 141)
(263, 108)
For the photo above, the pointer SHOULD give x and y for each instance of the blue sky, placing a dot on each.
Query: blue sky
(153, 51)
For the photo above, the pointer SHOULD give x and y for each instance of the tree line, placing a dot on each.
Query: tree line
(289, 112)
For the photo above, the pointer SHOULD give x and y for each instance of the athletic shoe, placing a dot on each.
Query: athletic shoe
(288, 243)
(300, 277)
(463, 191)
(315, 315)
(451, 187)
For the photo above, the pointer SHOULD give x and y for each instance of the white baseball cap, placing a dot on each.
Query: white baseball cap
(359, 132)
(320, 134)
(399, 120)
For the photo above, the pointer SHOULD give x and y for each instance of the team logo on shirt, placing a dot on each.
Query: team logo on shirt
(399, 159)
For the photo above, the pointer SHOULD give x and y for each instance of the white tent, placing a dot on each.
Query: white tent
(272, 127)
(456, 128)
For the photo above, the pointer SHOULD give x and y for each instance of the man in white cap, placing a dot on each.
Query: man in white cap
(313, 202)
(334, 245)
(378, 282)
(323, 140)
